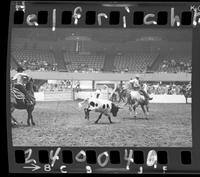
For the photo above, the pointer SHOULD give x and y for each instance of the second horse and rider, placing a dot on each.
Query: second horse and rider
(135, 84)
(134, 94)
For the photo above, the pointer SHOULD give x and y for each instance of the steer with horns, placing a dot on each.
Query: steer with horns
(104, 107)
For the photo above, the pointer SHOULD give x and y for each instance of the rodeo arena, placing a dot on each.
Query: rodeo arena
(108, 87)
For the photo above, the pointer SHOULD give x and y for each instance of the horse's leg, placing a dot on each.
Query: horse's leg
(29, 116)
(186, 100)
(98, 118)
(33, 123)
(130, 109)
(13, 120)
(147, 108)
(12, 108)
(134, 108)
(142, 106)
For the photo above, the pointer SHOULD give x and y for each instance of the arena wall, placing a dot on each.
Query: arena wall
(107, 76)
(70, 95)
(63, 96)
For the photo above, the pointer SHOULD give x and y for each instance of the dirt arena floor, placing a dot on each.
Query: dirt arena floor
(63, 124)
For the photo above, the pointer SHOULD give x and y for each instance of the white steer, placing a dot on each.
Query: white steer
(99, 105)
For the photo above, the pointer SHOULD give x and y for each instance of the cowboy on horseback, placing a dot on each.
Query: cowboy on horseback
(189, 86)
(186, 90)
(20, 85)
(135, 84)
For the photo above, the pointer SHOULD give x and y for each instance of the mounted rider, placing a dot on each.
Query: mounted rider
(19, 84)
(189, 86)
(135, 84)
(98, 93)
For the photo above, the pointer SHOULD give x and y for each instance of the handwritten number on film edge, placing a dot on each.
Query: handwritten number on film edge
(28, 158)
(128, 157)
(55, 156)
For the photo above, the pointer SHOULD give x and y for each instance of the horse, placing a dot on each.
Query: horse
(187, 93)
(134, 99)
(17, 101)
(120, 93)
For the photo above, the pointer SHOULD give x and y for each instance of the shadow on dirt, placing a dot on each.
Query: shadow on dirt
(135, 118)
(104, 123)
(20, 125)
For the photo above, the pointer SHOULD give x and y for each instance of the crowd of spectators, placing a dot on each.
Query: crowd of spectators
(42, 65)
(175, 66)
(44, 61)
(61, 85)
(127, 70)
(158, 88)
(82, 68)
(165, 89)
(39, 65)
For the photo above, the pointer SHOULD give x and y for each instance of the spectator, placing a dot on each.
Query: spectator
(175, 66)
(126, 70)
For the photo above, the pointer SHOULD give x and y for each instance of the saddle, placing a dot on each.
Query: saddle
(21, 98)
(17, 94)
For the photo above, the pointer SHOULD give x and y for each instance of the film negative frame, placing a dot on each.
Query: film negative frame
(126, 160)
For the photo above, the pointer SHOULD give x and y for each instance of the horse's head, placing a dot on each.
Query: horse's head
(30, 85)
